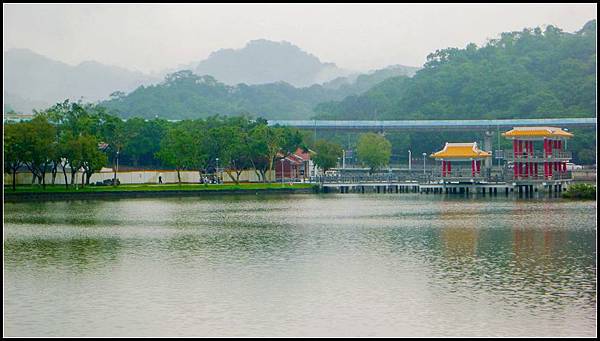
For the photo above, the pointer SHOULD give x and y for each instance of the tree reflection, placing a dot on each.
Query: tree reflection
(77, 254)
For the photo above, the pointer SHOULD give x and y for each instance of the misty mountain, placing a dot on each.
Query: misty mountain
(263, 61)
(32, 80)
(358, 83)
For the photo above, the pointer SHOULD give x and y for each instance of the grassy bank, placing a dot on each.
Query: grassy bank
(29, 189)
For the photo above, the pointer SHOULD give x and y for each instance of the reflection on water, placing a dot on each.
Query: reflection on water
(368, 265)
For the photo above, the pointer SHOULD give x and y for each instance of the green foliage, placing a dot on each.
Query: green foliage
(14, 149)
(374, 150)
(326, 154)
(177, 149)
(39, 146)
(526, 74)
(185, 95)
(581, 191)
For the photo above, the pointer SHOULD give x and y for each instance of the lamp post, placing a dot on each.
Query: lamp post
(116, 170)
(424, 155)
(282, 175)
(409, 160)
(217, 170)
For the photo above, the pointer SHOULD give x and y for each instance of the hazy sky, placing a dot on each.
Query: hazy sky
(360, 37)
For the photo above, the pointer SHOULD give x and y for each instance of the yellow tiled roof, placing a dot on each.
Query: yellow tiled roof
(460, 151)
(537, 132)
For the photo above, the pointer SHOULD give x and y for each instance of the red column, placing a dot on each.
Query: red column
(531, 173)
(449, 167)
(443, 168)
(545, 169)
(535, 167)
(520, 147)
(472, 168)
(526, 164)
(550, 169)
(515, 144)
(478, 164)
(531, 148)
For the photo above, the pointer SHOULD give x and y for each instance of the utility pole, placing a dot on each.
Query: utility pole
(409, 160)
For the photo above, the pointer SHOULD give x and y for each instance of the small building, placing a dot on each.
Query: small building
(461, 160)
(536, 149)
(294, 167)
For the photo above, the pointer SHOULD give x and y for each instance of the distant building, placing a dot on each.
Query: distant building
(12, 117)
(297, 166)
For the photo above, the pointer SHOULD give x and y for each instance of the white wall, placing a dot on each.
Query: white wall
(130, 177)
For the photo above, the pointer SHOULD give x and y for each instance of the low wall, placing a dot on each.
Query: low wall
(131, 177)
(584, 175)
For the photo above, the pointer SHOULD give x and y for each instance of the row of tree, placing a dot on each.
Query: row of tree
(72, 137)
(234, 144)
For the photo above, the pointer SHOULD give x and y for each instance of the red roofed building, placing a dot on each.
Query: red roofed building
(295, 166)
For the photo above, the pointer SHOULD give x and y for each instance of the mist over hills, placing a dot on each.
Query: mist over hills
(263, 61)
(33, 81)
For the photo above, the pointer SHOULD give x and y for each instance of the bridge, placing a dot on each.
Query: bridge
(434, 125)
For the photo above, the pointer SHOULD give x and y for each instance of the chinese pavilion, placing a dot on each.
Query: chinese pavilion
(527, 161)
(460, 152)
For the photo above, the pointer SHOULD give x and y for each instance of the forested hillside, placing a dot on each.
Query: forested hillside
(528, 74)
(184, 94)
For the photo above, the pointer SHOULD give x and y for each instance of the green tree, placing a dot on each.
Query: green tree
(374, 150)
(14, 149)
(39, 141)
(177, 149)
(326, 154)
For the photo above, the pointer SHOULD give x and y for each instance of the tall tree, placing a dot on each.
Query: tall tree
(13, 149)
(40, 146)
(326, 154)
(177, 149)
(374, 150)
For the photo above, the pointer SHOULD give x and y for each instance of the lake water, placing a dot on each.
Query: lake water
(301, 265)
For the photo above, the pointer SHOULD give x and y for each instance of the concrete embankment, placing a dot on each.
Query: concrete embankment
(51, 196)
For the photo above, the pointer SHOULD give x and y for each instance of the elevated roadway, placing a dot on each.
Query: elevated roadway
(434, 125)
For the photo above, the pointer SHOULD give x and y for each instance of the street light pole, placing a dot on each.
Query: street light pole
(409, 160)
(217, 170)
(424, 155)
(282, 175)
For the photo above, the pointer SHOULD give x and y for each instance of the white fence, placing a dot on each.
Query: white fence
(133, 177)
